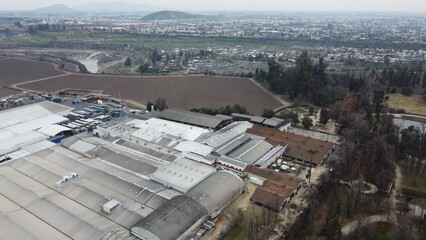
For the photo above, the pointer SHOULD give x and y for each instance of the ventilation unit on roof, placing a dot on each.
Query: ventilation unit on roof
(66, 179)
(110, 205)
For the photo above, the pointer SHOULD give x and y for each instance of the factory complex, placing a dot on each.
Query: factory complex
(164, 176)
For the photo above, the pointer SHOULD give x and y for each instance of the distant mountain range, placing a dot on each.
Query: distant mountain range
(172, 15)
(117, 7)
(56, 9)
(114, 7)
(98, 7)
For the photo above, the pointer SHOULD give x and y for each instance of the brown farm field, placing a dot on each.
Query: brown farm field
(183, 92)
(14, 70)
(4, 92)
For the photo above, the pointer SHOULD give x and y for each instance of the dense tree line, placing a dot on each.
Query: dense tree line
(225, 110)
(38, 27)
(404, 76)
(412, 149)
(160, 104)
(371, 148)
(308, 81)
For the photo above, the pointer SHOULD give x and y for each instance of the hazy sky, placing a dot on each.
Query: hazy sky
(245, 5)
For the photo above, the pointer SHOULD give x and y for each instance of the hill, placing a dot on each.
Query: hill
(56, 9)
(116, 7)
(171, 15)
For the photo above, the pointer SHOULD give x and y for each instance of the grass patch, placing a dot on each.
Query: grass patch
(413, 184)
(411, 104)
(298, 110)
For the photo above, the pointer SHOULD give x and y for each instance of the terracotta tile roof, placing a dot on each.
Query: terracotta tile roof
(275, 189)
(297, 145)
(270, 174)
(268, 198)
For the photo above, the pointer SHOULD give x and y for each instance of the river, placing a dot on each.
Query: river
(91, 62)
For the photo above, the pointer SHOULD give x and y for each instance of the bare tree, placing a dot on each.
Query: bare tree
(160, 104)
(311, 152)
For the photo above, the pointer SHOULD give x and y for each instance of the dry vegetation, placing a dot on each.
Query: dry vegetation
(411, 104)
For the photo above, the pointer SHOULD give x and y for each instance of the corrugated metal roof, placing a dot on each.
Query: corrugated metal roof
(194, 147)
(182, 174)
(252, 151)
(126, 162)
(192, 118)
(171, 220)
(224, 135)
(268, 155)
(15, 142)
(75, 211)
(251, 118)
(155, 127)
(29, 149)
(232, 162)
(149, 152)
(298, 145)
(22, 114)
(53, 130)
(273, 122)
(216, 190)
(36, 123)
(30, 112)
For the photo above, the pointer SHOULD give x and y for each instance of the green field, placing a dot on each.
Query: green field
(411, 104)
(148, 41)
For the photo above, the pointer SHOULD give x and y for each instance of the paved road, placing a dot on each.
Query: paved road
(354, 225)
(392, 218)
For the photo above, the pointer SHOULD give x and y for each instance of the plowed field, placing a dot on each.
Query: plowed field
(184, 92)
(18, 70)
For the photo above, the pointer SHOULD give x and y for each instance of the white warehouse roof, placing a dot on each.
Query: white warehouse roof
(18, 125)
(16, 142)
(194, 147)
(178, 130)
(182, 174)
(30, 112)
(53, 130)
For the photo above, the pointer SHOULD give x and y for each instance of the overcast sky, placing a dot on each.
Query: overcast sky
(245, 5)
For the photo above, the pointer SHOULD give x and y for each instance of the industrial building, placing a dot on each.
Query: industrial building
(273, 122)
(26, 129)
(298, 146)
(129, 178)
(182, 213)
(138, 179)
(196, 119)
(276, 188)
(108, 188)
(234, 149)
(229, 148)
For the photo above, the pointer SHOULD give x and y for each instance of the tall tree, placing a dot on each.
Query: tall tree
(324, 116)
(155, 56)
(268, 113)
(128, 62)
(307, 122)
(301, 82)
(311, 152)
(160, 104)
